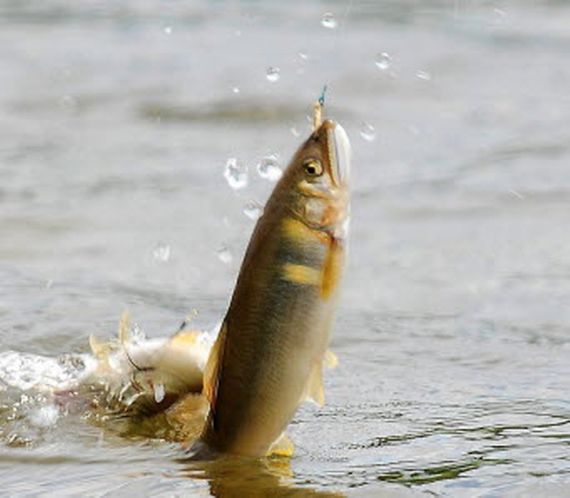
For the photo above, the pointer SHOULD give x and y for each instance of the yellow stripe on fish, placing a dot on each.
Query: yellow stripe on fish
(301, 274)
(296, 231)
(332, 269)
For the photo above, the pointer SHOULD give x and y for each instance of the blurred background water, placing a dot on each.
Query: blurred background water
(117, 120)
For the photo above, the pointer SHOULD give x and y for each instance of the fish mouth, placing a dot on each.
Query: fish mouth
(340, 152)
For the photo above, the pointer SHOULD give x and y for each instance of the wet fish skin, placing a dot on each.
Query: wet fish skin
(269, 353)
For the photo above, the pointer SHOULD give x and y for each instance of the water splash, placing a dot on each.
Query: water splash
(159, 392)
(26, 371)
(43, 416)
(235, 174)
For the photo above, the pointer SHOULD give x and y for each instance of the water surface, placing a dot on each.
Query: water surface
(454, 329)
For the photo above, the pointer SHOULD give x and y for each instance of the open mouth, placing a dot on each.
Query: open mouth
(339, 152)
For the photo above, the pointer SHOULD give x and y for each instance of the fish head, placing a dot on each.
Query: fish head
(317, 180)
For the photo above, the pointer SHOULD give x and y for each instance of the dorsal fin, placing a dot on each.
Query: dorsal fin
(212, 369)
(124, 332)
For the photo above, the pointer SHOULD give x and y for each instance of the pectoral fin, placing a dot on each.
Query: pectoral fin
(212, 369)
(315, 390)
(282, 447)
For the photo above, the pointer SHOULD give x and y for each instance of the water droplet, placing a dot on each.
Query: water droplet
(253, 209)
(269, 169)
(414, 130)
(423, 75)
(273, 74)
(367, 132)
(301, 61)
(69, 101)
(516, 193)
(235, 173)
(235, 89)
(168, 30)
(161, 252)
(49, 284)
(158, 392)
(294, 131)
(225, 255)
(500, 14)
(329, 21)
(383, 61)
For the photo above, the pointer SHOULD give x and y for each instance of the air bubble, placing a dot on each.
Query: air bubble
(269, 169)
(329, 21)
(273, 74)
(235, 174)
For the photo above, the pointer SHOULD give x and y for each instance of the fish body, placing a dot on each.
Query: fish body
(269, 353)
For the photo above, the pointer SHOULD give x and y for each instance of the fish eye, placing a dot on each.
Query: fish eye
(313, 167)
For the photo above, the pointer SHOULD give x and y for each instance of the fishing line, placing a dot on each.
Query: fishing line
(322, 97)
(335, 47)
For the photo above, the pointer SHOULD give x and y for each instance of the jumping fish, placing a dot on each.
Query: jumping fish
(272, 344)
(241, 393)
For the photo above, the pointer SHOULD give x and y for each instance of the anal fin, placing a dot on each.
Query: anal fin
(282, 447)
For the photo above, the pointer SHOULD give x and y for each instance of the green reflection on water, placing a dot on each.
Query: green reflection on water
(440, 472)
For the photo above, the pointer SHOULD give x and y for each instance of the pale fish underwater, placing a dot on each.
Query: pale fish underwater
(238, 394)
